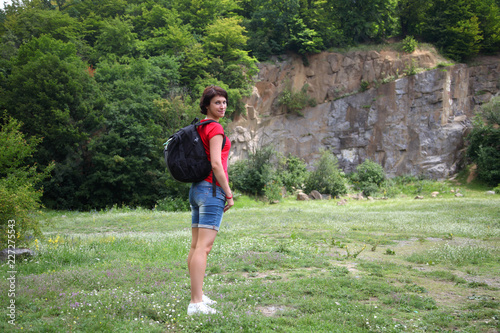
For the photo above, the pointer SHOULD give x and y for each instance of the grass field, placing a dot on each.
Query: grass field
(397, 265)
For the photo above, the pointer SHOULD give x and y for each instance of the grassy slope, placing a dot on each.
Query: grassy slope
(398, 265)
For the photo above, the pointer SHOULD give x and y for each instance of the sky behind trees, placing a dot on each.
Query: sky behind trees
(3, 3)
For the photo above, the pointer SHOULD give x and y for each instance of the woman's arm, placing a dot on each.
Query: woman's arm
(218, 169)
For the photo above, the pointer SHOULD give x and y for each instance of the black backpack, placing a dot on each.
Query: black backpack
(185, 155)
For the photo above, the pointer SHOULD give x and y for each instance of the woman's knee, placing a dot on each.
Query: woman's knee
(204, 248)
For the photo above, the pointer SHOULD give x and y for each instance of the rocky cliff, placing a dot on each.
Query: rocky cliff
(368, 107)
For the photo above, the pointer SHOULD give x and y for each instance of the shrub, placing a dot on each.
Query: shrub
(171, 204)
(292, 172)
(326, 178)
(484, 142)
(295, 102)
(411, 68)
(272, 191)
(364, 86)
(252, 175)
(409, 44)
(368, 177)
(497, 189)
(19, 198)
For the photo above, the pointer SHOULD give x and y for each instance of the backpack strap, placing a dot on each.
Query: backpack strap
(197, 123)
(214, 180)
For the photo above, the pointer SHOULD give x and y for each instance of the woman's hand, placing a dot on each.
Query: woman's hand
(229, 204)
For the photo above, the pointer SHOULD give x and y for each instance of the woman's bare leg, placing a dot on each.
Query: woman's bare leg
(201, 244)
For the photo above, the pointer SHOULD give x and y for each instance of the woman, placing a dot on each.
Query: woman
(206, 208)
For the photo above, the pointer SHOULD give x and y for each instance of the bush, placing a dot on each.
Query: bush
(295, 102)
(272, 191)
(368, 177)
(171, 204)
(412, 185)
(326, 178)
(252, 175)
(292, 172)
(364, 86)
(484, 142)
(19, 198)
(409, 44)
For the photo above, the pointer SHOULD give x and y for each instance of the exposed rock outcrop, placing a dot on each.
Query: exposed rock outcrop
(409, 124)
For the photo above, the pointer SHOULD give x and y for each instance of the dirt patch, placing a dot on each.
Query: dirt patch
(425, 58)
(351, 267)
(271, 310)
(472, 174)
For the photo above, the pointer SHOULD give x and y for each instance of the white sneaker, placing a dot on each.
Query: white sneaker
(199, 308)
(207, 300)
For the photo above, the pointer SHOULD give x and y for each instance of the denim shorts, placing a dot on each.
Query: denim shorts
(206, 210)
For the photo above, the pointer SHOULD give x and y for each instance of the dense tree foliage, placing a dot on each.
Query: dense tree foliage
(484, 142)
(104, 83)
(19, 196)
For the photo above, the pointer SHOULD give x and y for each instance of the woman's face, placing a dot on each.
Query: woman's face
(217, 107)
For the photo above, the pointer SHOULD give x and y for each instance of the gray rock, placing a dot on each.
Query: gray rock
(17, 253)
(315, 195)
(410, 124)
(302, 197)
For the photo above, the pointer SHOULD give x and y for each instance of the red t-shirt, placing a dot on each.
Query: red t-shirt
(206, 133)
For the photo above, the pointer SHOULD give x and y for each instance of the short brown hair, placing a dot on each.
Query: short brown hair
(209, 93)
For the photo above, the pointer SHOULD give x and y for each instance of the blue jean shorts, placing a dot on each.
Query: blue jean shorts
(206, 210)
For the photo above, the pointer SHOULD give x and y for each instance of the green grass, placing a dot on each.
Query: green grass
(289, 267)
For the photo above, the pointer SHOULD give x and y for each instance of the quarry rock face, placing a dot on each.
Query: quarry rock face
(369, 105)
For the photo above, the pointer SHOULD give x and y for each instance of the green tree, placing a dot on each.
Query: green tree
(224, 43)
(202, 13)
(171, 36)
(326, 177)
(292, 172)
(19, 196)
(321, 17)
(454, 27)
(268, 23)
(366, 20)
(488, 14)
(126, 157)
(412, 15)
(27, 23)
(368, 177)
(102, 8)
(116, 37)
(51, 91)
(195, 65)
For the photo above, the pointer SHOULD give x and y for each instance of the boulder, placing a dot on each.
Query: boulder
(315, 195)
(18, 253)
(302, 196)
(358, 196)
